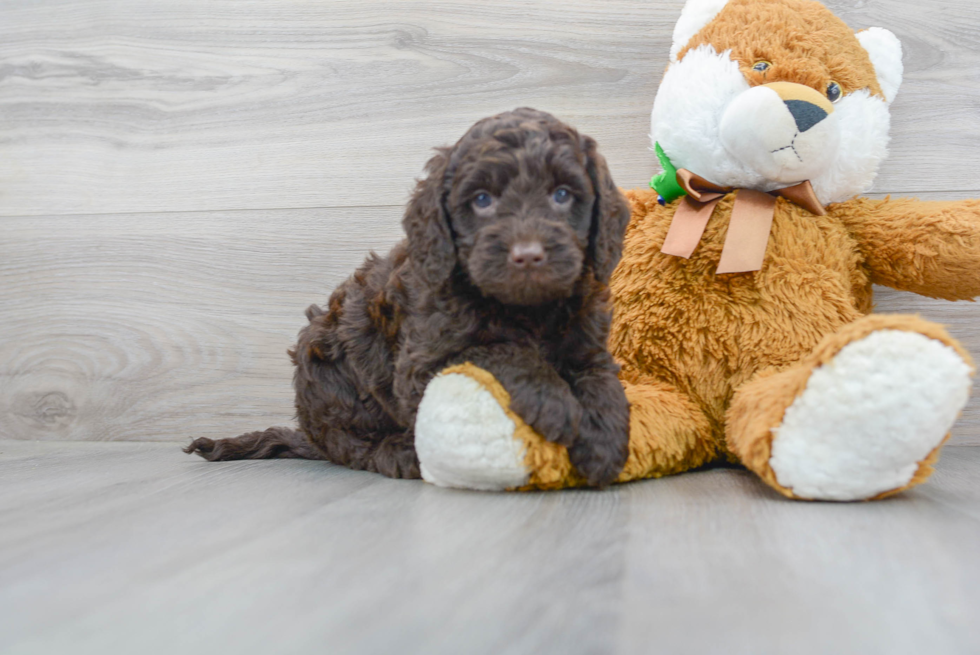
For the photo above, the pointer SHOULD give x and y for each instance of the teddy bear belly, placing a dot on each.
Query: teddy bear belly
(676, 321)
(708, 351)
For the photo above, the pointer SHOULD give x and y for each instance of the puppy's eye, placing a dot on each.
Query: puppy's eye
(483, 200)
(762, 66)
(834, 92)
(562, 195)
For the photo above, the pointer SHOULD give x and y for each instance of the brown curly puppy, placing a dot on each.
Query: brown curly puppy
(512, 238)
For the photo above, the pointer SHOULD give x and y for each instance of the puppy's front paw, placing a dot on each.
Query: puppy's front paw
(551, 410)
(602, 447)
(599, 462)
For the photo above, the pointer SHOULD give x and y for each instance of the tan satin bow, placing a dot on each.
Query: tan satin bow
(748, 228)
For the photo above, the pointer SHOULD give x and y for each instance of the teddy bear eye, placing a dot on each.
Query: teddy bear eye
(762, 66)
(834, 92)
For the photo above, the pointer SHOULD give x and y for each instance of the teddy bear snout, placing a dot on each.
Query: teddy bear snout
(783, 131)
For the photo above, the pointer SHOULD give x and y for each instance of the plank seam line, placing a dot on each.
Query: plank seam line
(906, 193)
(197, 211)
(170, 212)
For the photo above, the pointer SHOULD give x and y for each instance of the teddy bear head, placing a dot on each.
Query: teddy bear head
(765, 94)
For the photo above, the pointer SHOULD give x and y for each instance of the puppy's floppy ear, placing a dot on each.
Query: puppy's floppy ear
(610, 215)
(430, 237)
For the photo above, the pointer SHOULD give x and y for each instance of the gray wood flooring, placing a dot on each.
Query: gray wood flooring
(180, 179)
(138, 548)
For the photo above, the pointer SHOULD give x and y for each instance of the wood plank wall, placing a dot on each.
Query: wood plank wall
(180, 179)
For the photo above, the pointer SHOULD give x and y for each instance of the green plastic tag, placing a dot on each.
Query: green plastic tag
(666, 184)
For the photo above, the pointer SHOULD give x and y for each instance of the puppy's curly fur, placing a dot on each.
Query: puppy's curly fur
(512, 238)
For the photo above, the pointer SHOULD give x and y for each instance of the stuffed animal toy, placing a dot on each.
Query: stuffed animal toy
(743, 298)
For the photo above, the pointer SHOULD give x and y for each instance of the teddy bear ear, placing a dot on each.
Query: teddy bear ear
(695, 15)
(885, 51)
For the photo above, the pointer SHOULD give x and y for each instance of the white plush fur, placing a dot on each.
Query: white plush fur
(867, 418)
(688, 119)
(864, 121)
(885, 51)
(695, 15)
(780, 152)
(687, 113)
(464, 439)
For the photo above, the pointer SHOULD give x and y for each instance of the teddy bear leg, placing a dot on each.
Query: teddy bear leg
(668, 433)
(467, 437)
(862, 417)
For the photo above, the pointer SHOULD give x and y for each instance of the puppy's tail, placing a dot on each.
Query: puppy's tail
(265, 444)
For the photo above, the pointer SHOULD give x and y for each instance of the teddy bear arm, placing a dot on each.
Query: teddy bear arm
(929, 248)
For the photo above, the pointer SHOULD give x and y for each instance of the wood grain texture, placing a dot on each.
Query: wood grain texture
(181, 105)
(157, 327)
(163, 166)
(137, 548)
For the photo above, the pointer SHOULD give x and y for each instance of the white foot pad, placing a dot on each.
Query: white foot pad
(465, 439)
(870, 416)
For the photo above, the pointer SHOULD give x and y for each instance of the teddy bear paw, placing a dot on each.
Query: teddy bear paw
(464, 437)
(870, 417)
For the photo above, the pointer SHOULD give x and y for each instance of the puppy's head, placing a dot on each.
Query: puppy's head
(523, 205)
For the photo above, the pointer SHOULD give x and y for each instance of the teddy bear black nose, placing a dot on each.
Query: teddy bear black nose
(806, 114)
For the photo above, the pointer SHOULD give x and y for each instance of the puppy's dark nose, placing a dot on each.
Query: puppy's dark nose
(527, 254)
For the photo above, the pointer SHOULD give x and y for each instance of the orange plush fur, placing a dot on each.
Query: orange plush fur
(803, 41)
(740, 347)
(705, 336)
